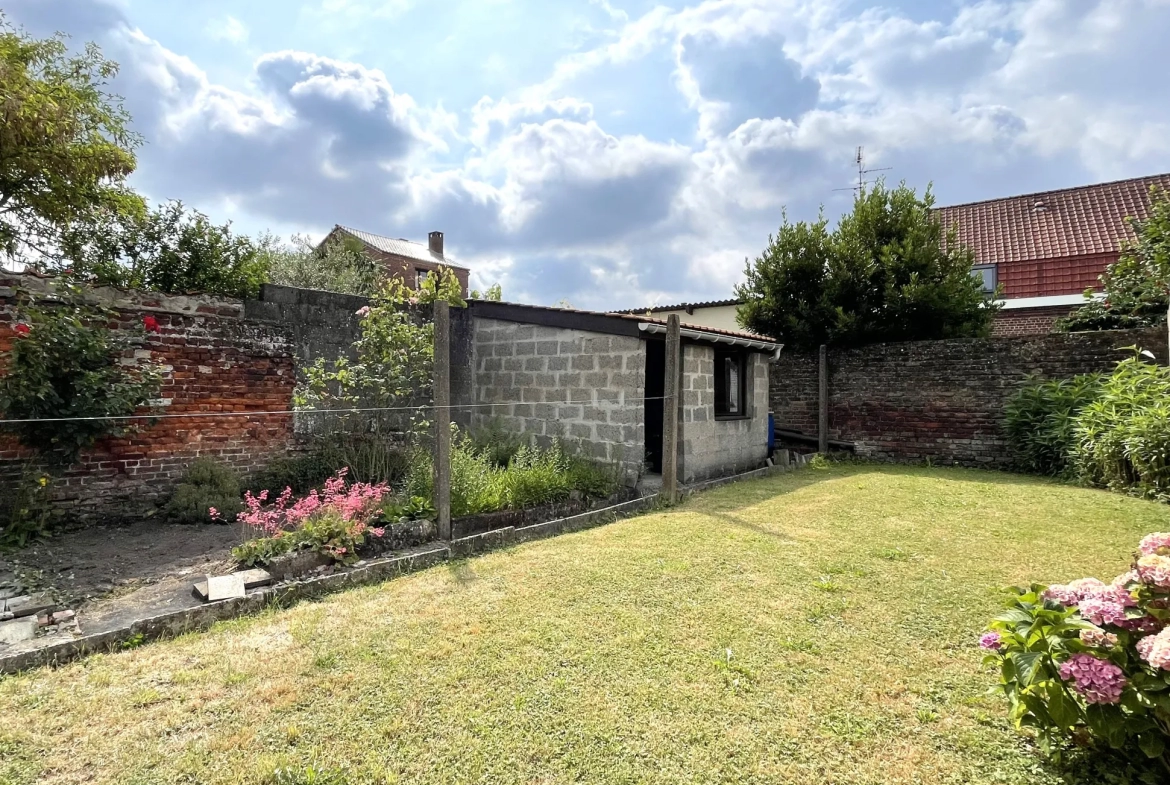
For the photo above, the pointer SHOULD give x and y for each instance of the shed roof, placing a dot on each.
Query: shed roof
(1088, 220)
(688, 307)
(407, 249)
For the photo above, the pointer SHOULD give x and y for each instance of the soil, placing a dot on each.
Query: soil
(81, 566)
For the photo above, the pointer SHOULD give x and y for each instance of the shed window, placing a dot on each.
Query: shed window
(730, 383)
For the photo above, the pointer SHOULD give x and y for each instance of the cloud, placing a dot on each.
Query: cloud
(228, 29)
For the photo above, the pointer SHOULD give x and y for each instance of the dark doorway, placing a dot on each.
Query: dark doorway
(655, 388)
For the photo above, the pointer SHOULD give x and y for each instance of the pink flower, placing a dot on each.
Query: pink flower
(1126, 578)
(1154, 569)
(378, 531)
(1156, 544)
(214, 513)
(990, 641)
(1097, 680)
(363, 312)
(22, 329)
(1072, 593)
(150, 323)
(1155, 649)
(1106, 640)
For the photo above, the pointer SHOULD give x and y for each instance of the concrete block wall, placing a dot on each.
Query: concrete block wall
(585, 388)
(713, 447)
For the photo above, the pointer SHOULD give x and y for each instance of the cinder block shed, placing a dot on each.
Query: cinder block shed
(596, 381)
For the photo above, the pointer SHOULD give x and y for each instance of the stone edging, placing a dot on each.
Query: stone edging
(374, 571)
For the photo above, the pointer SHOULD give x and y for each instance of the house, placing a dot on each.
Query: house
(410, 261)
(596, 381)
(719, 314)
(1045, 249)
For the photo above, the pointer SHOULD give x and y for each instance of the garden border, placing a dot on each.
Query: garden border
(375, 571)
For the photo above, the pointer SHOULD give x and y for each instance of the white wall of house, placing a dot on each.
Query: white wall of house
(719, 317)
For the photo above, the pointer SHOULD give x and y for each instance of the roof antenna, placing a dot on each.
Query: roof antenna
(862, 172)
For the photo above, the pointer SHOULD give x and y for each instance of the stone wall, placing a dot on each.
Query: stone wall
(938, 400)
(717, 447)
(586, 388)
(213, 361)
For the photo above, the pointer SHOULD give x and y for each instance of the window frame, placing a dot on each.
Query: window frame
(984, 269)
(722, 410)
(420, 275)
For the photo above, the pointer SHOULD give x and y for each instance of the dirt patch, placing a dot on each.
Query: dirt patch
(80, 566)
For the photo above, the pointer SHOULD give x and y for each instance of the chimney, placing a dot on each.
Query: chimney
(435, 241)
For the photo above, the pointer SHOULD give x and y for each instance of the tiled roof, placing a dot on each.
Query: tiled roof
(399, 247)
(682, 306)
(1053, 224)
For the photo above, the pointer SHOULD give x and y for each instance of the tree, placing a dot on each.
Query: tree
(889, 272)
(65, 146)
(340, 265)
(170, 249)
(494, 293)
(1136, 286)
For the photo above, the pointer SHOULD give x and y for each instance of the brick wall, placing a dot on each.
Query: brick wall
(213, 361)
(1029, 321)
(717, 448)
(407, 269)
(586, 388)
(941, 400)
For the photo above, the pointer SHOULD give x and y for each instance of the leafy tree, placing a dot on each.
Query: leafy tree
(340, 265)
(494, 293)
(170, 249)
(889, 272)
(1136, 285)
(65, 148)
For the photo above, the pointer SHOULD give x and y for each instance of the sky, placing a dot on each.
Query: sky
(617, 153)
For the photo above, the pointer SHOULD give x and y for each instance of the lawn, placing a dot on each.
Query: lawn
(816, 627)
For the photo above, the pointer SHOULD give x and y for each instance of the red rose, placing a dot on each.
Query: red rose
(150, 323)
(22, 329)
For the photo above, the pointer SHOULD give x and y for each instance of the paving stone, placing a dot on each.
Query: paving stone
(255, 577)
(224, 587)
(63, 616)
(18, 630)
(29, 605)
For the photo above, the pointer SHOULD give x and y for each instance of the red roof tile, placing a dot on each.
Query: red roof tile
(1053, 224)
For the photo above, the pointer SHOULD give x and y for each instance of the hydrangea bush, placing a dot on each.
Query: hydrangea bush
(1088, 662)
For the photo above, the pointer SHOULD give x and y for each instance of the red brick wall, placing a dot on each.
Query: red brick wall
(1029, 321)
(1050, 277)
(941, 400)
(213, 361)
(407, 269)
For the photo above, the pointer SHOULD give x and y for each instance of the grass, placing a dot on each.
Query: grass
(816, 627)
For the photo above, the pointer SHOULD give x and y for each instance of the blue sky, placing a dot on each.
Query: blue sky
(610, 153)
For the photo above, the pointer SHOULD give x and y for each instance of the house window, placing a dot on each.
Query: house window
(420, 277)
(730, 383)
(985, 273)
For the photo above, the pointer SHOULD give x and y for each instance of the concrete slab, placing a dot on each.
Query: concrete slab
(225, 587)
(18, 630)
(29, 605)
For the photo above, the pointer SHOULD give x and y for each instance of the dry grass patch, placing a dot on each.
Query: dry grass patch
(810, 628)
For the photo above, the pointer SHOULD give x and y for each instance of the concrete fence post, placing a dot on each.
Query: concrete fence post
(823, 408)
(670, 407)
(442, 399)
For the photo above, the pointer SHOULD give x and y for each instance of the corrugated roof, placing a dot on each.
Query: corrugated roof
(1087, 220)
(399, 247)
(681, 306)
(634, 317)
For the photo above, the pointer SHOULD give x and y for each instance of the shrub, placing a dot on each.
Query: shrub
(25, 513)
(1122, 439)
(206, 484)
(1090, 661)
(1041, 420)
(595, 480)
(496, 442)
(334, 521)
(474, 481)
(535, 477)
(301, 473)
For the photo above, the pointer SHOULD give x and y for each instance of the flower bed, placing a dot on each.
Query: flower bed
(1088, 662)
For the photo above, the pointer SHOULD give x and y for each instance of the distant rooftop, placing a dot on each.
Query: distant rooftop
(1084, 221)
(399, 247)
(688, 307)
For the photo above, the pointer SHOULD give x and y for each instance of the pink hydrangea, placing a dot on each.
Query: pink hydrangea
(1105, 640)
(1155, 649)
(1097, 680)
(1156, 544)
(1126, 578)
(1069, 594)
(1154, 569)
(990, 641)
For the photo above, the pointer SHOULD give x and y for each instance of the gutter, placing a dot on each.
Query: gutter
(698, 335)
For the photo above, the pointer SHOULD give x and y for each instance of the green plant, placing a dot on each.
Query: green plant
(302, 473)
(1040, 421)
(1090, 661)
(890, 271)
(65, 378)
(262, 550)
(495, 441)
(594, 480)
(207, 485)
(66, 142)
(415, 508)
(340, 264)
(25, 511)
(535, 477)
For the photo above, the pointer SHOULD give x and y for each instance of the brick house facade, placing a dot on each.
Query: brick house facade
(1045, 249)
(403, 259)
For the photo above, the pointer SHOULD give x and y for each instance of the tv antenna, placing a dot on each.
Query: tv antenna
(862, 172)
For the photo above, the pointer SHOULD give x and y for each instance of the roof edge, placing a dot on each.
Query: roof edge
(1164, 175)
